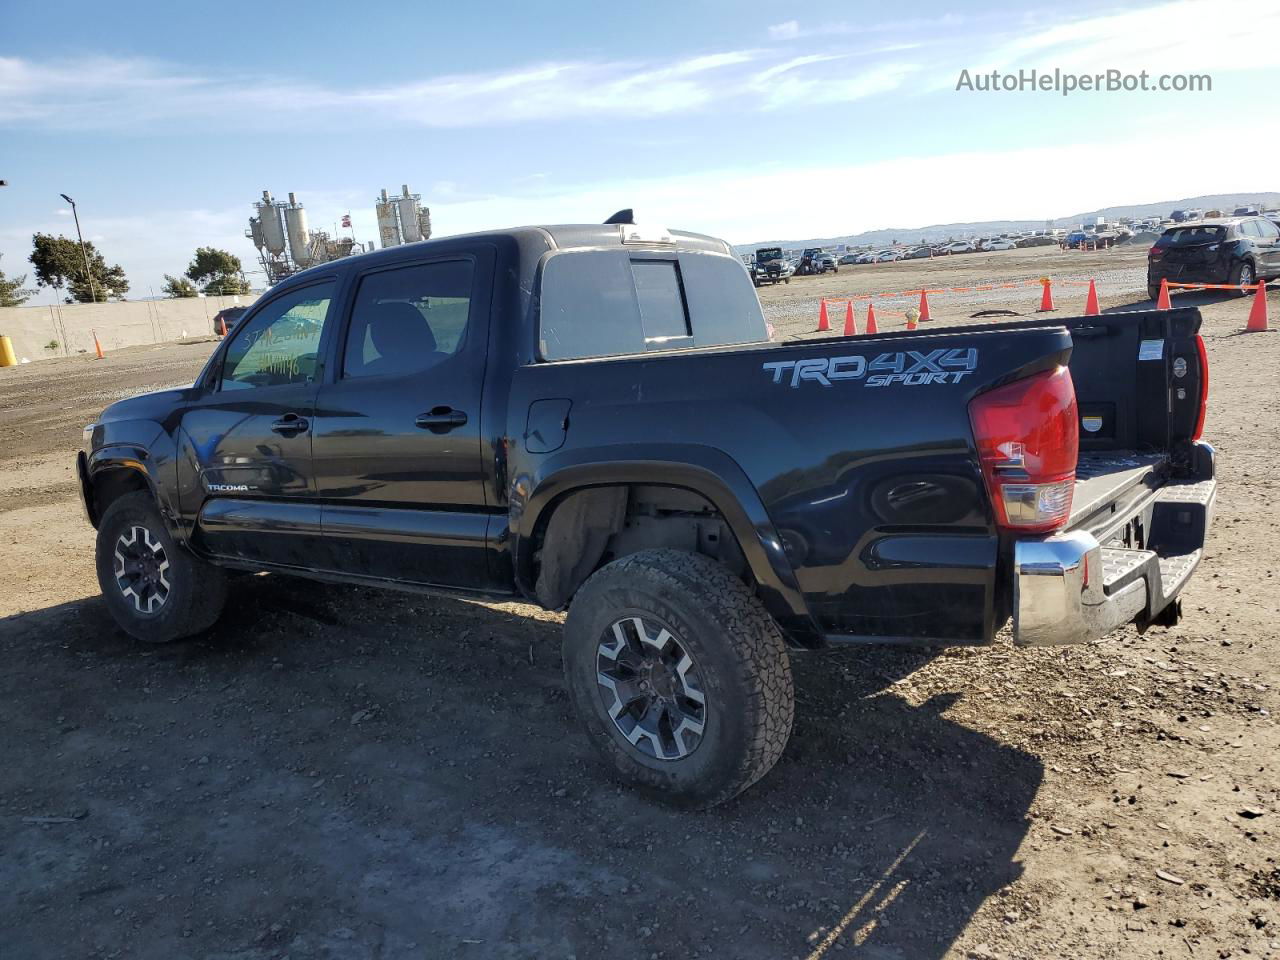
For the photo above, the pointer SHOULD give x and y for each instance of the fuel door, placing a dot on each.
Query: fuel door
(547, 426)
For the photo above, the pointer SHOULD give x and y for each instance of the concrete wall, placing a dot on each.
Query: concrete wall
(118, 325)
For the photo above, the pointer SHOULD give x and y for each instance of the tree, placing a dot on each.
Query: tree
(59, 263)
(11, 292)
(219, 271)
(178, 287)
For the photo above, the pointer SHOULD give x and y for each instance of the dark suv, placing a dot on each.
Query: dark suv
(1234, 250)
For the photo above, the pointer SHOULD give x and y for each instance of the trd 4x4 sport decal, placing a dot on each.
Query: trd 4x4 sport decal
(910, 368)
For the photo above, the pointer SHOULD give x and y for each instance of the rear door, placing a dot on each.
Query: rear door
(397, 443)
(250, 434)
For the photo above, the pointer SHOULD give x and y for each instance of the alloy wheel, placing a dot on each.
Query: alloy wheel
(651, 688)
(142, 569)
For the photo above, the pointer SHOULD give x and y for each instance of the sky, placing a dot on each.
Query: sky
(747, 121)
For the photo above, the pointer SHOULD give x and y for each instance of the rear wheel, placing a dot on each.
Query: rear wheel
(155, 590)
(1153, 290)
(679, 675)
(1242, 276)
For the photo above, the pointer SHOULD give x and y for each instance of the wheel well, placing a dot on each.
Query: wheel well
(113, 483)
(597, 525)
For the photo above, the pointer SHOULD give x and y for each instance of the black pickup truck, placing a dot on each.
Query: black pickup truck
(593, 418)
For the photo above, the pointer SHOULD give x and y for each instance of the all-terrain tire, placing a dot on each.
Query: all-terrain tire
(739, 653)
(195, 591)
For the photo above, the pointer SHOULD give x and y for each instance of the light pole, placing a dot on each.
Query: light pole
(93, 290)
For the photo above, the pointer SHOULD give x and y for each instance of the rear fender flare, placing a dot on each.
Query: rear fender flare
(706, 471)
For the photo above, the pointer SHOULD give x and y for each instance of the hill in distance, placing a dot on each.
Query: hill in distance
(1226, 202)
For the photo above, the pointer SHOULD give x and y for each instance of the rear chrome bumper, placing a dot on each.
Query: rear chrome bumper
(1058, 592)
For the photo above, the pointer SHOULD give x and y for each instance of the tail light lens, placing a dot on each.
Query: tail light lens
(1204, 388)
(1155, 253)
(1028, 437)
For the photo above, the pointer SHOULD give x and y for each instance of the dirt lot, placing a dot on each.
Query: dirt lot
(341, 773)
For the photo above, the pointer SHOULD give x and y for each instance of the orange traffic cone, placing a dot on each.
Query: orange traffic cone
(1162, 301)
(1258, 314)
(1091, 301)
(98, 347)
(850, 325)
(924, 307)
(222, 326)
(1046, 297)
(871, 318)
(824, 324)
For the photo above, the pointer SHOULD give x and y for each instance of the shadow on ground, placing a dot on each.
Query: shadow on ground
(337, 772)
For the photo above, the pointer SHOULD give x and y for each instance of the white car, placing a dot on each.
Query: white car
(959, 246)
(999, 244)
(888, 256)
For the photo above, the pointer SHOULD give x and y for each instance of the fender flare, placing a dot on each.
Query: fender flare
(124, 456)
(709, 472)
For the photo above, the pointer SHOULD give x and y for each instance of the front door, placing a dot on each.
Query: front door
(251, 435)
(397, 446)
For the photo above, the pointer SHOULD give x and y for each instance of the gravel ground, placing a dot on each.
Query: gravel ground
(341, 773)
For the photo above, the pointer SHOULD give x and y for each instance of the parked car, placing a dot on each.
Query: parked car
(848, 258)
(1040, 241)
(919, 253)
(958, 246)
(1238, 251)
(827, 261)
(1000, 243)
(868, 257)
(888, 256)
(814, 260)
(770, 267)
(1245, 212)
(452, 415)
(228, 316)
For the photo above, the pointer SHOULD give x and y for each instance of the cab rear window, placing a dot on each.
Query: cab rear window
(607, 303)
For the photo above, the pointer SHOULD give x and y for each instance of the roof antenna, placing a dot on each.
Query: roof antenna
(622, 216)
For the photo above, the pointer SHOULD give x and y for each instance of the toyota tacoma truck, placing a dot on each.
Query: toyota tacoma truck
(594, 419)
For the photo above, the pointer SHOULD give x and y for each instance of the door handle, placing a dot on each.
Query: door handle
(441, 418)
(290, 424)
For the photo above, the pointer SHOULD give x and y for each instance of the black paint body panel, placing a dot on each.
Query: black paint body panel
(860, 509)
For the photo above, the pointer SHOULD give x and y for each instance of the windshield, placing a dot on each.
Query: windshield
(1190, 236)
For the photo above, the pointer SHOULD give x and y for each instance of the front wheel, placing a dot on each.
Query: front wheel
(679, 675)
(154, 589)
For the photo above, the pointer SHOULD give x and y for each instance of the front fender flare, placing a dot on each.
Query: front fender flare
(126, 456)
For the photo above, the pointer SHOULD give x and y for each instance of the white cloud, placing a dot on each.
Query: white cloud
(785, 31)
(1182, 36)
(134, 94)
(797, 203)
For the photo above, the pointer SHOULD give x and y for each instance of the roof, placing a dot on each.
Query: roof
(566, 236)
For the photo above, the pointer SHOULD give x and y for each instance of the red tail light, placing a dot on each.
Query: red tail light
(1204, 388)
(1028, 436)
(1155, 253)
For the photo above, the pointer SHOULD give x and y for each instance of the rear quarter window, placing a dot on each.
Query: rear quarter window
(605, 303)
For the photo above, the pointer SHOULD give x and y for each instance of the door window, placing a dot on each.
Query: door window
(408, 320)
(281, 343)
(1267, 230)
